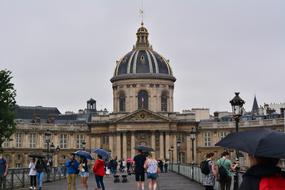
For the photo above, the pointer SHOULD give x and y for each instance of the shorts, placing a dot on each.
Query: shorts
(84, 174)
(152, 176)
(140, 177)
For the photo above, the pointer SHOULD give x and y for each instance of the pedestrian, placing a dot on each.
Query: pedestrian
(225, 164)
(263, 172)
(84, 172)
(209, 177)
(99, 172)
(40, 168)
(72, 170)
(33, 173)
(152, 169)
(139, 161)
(160, 165)
(166, 163)
(3, 172)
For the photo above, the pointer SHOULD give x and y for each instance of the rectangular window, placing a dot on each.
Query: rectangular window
(63, 141)
(79, 140)
(207, 139)
(105, 140)
(32, 138)
(6, 144)
(223, 134)
(18, 140)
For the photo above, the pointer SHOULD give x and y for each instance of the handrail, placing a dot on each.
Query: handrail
(19, 177)
(193, 172)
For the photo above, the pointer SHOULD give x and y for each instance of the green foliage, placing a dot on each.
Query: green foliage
(7, 106)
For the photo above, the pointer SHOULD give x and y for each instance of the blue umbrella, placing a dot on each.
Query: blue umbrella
(84, 154)
(102, 152)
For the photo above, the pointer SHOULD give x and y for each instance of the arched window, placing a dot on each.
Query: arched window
(164, 101)
(122, 102)
(142, 99)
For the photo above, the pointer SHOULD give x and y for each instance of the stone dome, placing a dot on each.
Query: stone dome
(142, 62)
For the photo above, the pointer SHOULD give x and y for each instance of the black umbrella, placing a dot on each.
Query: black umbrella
(144, 148)
(261, 142)
(35, 155)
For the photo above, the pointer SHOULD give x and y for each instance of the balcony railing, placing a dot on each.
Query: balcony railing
(193, 172)
(19, 178)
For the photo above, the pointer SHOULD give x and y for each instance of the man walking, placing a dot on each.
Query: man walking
(225, 164)
(139, 161)
(3, 172)
(72, 171)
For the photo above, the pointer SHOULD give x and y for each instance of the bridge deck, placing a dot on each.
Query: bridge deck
(167, 181)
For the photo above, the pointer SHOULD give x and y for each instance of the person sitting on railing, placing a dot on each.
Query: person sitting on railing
(263, 174)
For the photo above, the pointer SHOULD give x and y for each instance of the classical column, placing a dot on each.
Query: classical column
(133, 144)
(167, 146)
(111, 143)
(118, 147)
(153, 143)
(98, 141)
(174, 142)
(125, 154)
(188, 150)
(161, 146)
(71, 140)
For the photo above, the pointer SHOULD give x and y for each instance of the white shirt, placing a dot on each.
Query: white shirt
(33, 170)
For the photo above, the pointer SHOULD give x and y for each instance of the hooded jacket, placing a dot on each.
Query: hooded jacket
(253, 175)
(99, 167)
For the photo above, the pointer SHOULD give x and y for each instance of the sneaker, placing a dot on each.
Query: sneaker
(31, 187)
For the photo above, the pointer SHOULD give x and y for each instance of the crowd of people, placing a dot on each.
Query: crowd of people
(223, 170)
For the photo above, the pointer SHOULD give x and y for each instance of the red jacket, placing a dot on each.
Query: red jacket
(99, 167)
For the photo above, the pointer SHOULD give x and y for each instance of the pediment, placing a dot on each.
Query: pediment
(143, 116)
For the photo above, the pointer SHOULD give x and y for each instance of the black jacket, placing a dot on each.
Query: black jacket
(253, 175)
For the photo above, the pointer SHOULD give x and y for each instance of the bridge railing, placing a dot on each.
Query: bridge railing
(19, 177)
(193, 172)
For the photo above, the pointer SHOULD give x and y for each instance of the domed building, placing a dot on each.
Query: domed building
(143, 86)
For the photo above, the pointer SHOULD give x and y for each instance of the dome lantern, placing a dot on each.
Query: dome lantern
(142, 37)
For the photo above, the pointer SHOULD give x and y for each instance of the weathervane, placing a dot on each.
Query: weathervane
(141, 12)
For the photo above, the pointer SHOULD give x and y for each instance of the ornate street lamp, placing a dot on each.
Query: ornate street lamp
(178, 144)
(237, 107)
(193, 137)
(83, 144)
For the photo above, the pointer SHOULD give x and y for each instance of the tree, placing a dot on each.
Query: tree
(7, 107)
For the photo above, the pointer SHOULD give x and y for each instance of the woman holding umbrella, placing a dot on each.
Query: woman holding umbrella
(99, 172)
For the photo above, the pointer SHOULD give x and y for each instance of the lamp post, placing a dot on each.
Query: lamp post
(193, 137)
(48, 141)
(83, 145)
(178, 144)
(237, 108)
(171, 156)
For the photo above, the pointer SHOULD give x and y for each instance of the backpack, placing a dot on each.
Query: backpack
(272, 183)
(223, 173)
(205, 169)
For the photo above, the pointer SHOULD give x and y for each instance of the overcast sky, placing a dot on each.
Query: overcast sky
(63, 52)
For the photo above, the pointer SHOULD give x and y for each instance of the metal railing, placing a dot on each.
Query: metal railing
(19, 178)
(193, 172)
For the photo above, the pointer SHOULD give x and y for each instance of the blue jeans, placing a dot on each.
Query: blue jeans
(99, 182)
(40, 176)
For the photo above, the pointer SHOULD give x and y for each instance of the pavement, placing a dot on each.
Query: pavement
(166, 181)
